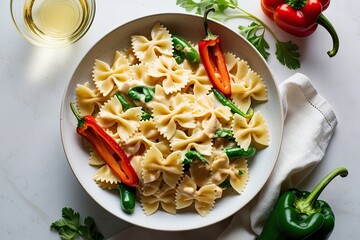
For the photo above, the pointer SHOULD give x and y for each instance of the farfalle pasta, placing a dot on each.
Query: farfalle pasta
(159, 43)
(199, 82)
(236, 171)
(164, 197)
(168, 118)
(155, 165)
(253, 132)
(177, 150)
(122, 123)
(108, 79)
(169, 74)
(203, 197)
(89, 100)
(246, 84)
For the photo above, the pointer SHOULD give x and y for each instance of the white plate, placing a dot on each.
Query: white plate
(190, 27)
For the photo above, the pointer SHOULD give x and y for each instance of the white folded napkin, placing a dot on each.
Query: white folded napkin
(308, 127)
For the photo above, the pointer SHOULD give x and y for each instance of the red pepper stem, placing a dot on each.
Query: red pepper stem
(315, 193)
(323, 21)
(208, 33)
(77, 115)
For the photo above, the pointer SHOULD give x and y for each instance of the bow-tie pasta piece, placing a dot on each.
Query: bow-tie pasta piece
(161, 97)
(108, 79)
(169, 74)
(168, 118)
(246, 84)
(203, 197)
(113, 118)
(159, 44)
(164, 197)
(199, 83)
(147, 136)
(219, 168)
(209, 115)
(151, 188)
(88, 100)
(193, 139)
(155, 165)
(254, 132)
(235, 172)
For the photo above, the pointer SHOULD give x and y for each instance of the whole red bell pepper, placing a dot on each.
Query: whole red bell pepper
(107, 148)
(213, 59)
(301, 17)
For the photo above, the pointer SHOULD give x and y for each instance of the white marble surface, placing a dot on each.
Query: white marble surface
(36, 180)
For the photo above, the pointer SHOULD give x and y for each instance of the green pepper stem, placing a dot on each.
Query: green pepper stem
(315, 193)
(296, 4)
(323, 21)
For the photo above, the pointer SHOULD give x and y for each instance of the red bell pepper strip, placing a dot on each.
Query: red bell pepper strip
(212, 57)
(107, 148)
(301, 17)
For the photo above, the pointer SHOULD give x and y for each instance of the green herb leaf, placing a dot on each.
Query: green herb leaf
(69, 227)
(257, 40)
(201, 5)
(68, 234)
(287, 53)
(70, 220)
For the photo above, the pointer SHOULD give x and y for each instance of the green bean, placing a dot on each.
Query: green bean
(127, 197)
(193, 155)
(178, 58)
(141, 92)
(124, 102)
(227, 102)
(225, 133)
(184, 49)
(127, 105)
(238, 152)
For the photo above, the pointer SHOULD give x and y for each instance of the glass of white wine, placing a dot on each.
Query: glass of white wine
(52, 23)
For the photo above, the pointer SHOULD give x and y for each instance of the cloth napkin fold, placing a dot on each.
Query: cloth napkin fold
(308, 127)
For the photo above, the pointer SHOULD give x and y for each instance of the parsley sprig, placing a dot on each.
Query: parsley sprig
(69, 227)
(286, 51)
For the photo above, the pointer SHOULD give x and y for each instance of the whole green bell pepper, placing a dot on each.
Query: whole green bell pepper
(299, 215)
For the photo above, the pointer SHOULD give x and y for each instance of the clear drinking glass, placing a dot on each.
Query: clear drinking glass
(52, 23)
